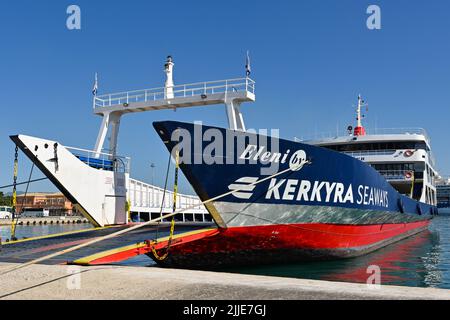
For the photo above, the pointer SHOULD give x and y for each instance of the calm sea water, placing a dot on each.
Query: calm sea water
(419, 261)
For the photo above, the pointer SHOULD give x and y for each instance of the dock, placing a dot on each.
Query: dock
(29, 221)
(50, 282)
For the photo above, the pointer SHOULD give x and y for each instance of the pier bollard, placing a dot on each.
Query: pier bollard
(28, 223)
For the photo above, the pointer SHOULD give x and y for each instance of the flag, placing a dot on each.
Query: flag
(95, 88)
(248, 68)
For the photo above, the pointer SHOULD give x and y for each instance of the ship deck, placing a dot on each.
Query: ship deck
(26, 250)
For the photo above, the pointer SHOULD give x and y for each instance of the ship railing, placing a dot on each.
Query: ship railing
(365, 153)
(147, 195)
(397, 174)
(330, 135)
(179, 91)
(102, 160)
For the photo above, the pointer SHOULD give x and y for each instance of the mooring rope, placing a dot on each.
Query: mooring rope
(164, 194)
(24, 182)
(118, 233)
(172, 223)
(13, 232)
(14, 192)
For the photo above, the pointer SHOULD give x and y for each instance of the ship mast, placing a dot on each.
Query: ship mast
(168, 69)
(231, 92)
(359, 129)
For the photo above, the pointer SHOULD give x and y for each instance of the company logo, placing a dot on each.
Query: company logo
(245, 187)
(313, 191)
(254, 153)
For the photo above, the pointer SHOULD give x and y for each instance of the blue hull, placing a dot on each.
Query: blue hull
(323, 186)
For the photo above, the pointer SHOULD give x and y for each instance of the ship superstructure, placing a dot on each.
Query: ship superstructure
(98, 181)
(402, 155)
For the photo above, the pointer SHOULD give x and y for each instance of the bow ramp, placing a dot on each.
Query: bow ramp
(94, 182)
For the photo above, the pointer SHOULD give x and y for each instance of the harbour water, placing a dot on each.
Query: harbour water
(419, 261)
(40, 230)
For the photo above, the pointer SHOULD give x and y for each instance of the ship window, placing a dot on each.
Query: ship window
(378, 146)
(393, 166)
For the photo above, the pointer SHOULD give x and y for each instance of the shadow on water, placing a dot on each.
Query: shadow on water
(422, 260)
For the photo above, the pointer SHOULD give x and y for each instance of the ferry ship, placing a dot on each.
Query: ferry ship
(443, 196)
(329, 198)
(271, 199)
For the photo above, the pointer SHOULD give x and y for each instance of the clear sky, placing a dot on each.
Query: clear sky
(310, 59)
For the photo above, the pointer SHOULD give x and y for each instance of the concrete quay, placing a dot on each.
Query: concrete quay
(44, 220)
(52, 282)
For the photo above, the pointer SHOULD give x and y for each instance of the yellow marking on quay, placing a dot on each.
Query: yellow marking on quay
(55, 235)
(88, 259)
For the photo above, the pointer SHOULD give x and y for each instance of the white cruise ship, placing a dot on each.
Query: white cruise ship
(443, 195)
(402, 156)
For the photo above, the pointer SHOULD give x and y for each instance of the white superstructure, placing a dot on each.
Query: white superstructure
(402, 156)
(98, 182)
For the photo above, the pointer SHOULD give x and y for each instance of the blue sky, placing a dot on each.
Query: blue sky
(310, 60)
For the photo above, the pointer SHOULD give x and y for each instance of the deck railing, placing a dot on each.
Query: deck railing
(330, 135)
(184, 90)
(387, 152)
(101, 160)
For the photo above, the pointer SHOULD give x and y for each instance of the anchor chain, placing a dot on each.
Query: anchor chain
(14, 194)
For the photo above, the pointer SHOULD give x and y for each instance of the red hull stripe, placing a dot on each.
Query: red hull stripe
(270, 237)
(127, 252)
